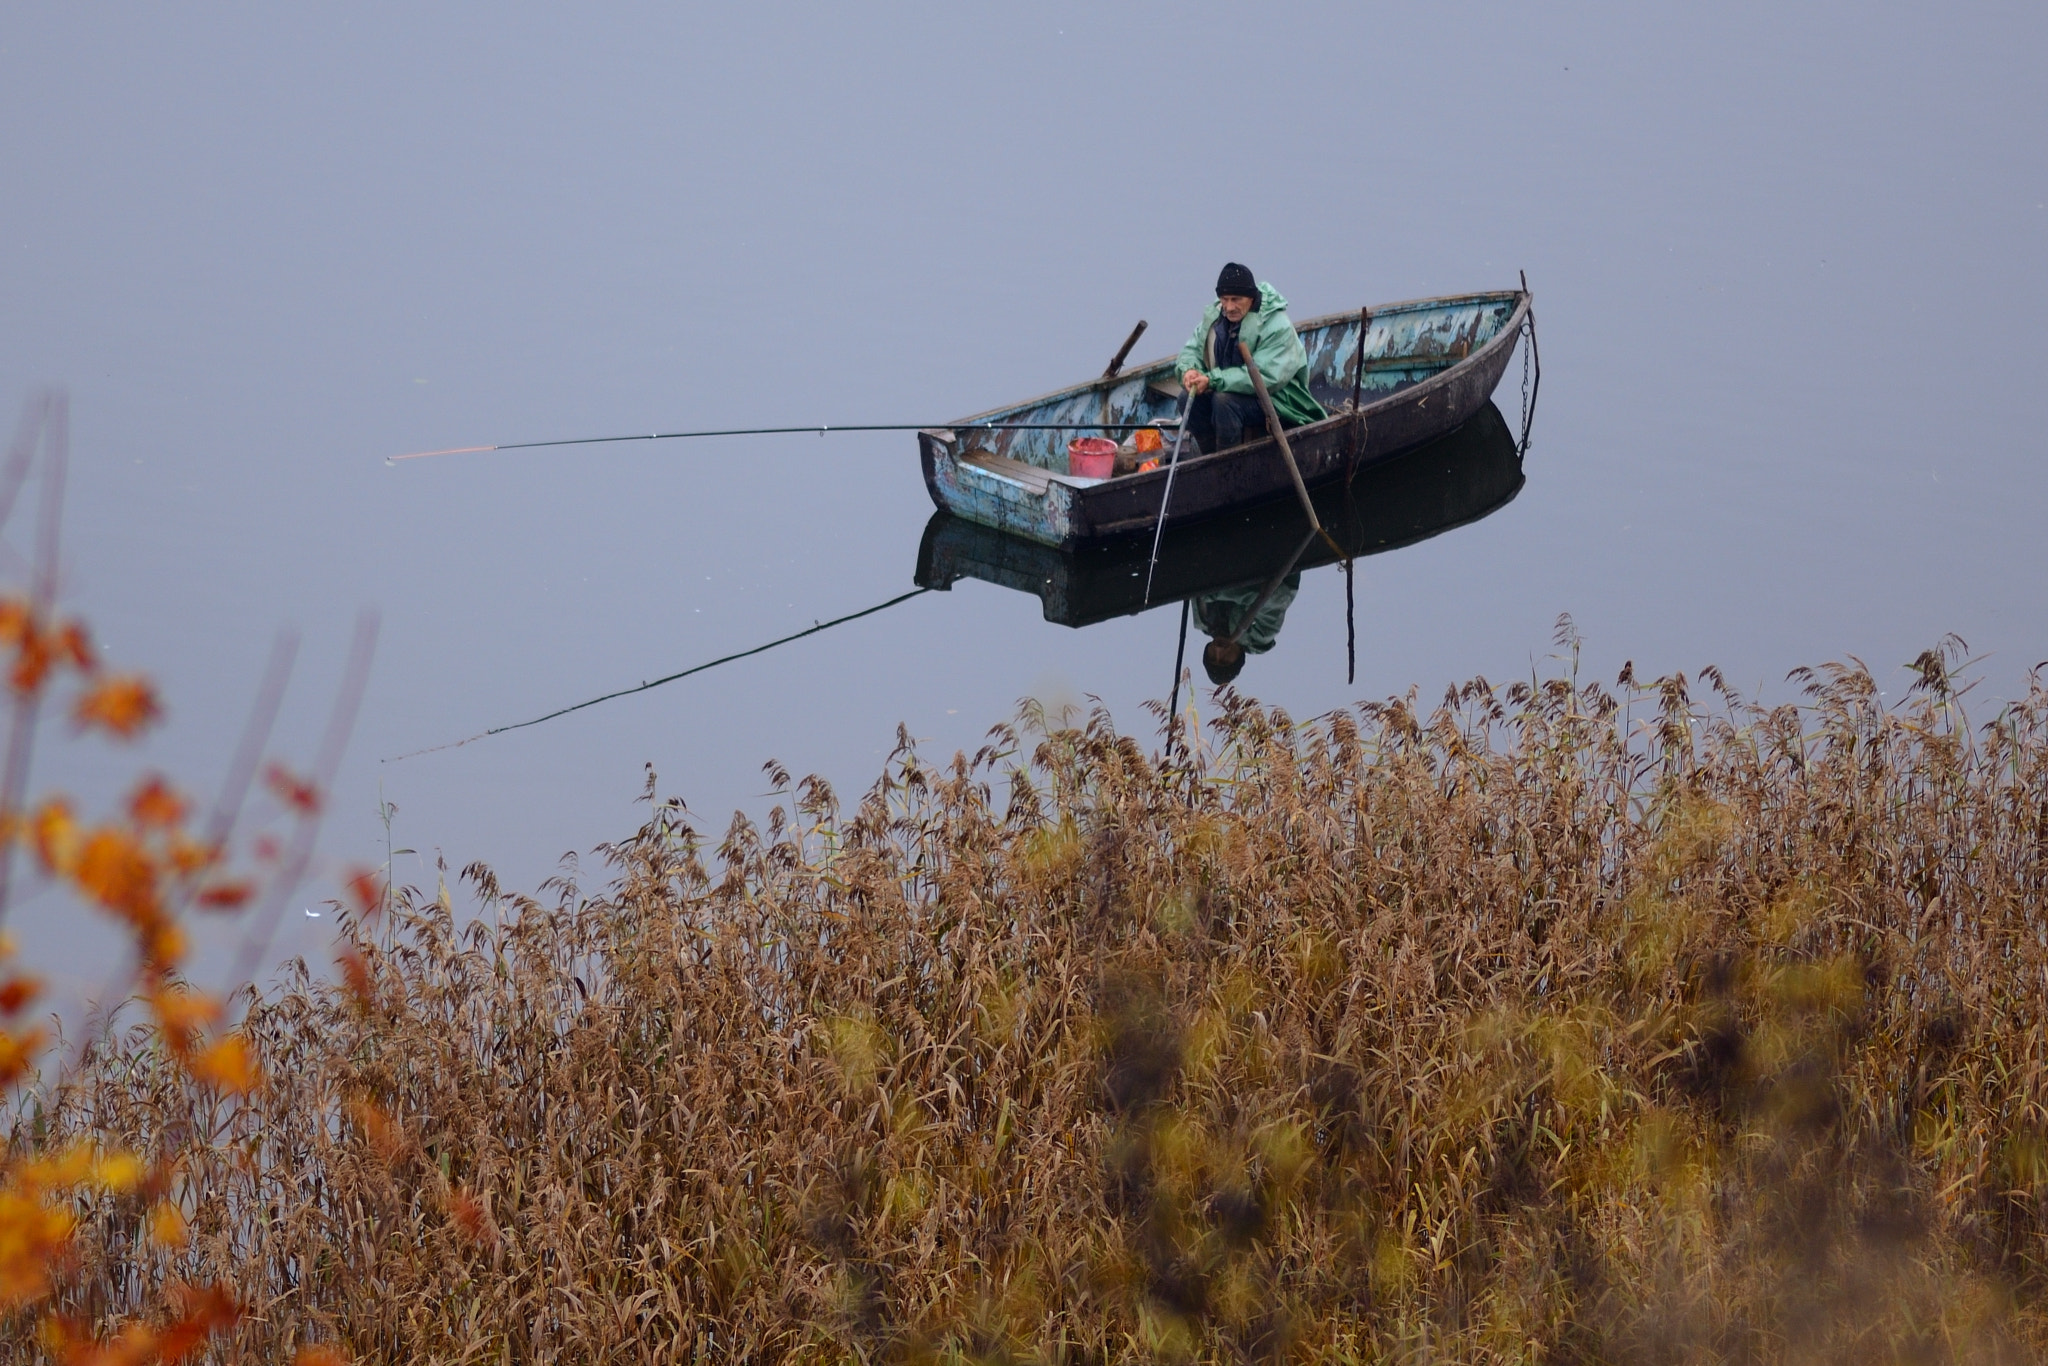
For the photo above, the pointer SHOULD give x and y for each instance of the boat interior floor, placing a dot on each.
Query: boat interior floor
(1030, 476)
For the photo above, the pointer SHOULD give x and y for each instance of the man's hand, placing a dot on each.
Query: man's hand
(1195, 382)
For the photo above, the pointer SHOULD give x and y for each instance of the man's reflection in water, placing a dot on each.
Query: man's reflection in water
(1221, 615)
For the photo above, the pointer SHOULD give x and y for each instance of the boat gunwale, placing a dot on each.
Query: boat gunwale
(1509, 329)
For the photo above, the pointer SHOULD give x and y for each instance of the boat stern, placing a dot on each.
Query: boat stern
(995, 492)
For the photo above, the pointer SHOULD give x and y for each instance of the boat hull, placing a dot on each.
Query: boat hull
(1424, 381)
(1457, 479)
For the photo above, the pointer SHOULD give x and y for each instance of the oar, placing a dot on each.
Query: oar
(1172, 464)
(1286, 453)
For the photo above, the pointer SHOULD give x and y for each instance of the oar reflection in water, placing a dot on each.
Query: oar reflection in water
(1245, 619)
(671, 678)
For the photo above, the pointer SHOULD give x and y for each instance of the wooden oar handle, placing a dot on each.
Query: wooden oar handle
(1286, 453)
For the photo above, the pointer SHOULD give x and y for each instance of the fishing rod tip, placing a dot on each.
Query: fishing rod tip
(452, 450)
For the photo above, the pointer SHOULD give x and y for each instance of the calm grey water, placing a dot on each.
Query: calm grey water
(1788, 264)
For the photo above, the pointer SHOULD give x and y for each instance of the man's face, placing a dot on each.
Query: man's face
(1235, 306)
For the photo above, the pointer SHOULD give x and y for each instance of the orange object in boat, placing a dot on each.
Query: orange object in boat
(1149, 441)
(1148, 465)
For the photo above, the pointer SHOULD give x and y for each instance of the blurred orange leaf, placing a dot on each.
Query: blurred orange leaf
(18, 1053)
(300, 794)
(201, 1314)
(226, 896)
(355, 974)
(227, 1064)
(471, 1219)
(72, 642)
(366, 891)
(36, 1235)
(180, 1010)
(122, 705)
(154, 803)
(55, 834)
(136, 1345)
(113, 870)
(117, 1171)
(384, 1136)
(17, 992)
(163, 946)
(166, 1225)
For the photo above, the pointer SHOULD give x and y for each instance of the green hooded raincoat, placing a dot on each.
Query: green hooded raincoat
(1269, 335)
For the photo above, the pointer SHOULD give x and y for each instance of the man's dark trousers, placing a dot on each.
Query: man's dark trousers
(1219, 421)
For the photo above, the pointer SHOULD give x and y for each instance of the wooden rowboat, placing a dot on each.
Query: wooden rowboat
(1429, 365)
(1450, 482)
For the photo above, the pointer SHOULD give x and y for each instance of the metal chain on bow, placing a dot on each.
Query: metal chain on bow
(1530, 359)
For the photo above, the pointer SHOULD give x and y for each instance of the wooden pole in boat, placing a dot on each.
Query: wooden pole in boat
(1287, 453)
(1357, 454)
(1358, 370)
(1116, 366)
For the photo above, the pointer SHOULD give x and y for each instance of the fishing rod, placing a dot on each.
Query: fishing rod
(1172, 465)
(810, 630)
(821, 429)
(1187, 607)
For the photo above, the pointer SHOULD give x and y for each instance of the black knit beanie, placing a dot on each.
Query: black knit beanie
(1237, 279)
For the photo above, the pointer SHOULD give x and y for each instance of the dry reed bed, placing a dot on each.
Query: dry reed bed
(1552, 1025)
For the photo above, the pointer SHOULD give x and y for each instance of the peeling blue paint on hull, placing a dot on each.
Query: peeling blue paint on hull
(1429, 365)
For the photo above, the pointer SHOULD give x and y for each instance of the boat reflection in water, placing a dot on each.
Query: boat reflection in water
(1236, 573)
(1239, 573)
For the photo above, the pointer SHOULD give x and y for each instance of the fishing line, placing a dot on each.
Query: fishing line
(1179, 654)
(655, 683)
(821, 429)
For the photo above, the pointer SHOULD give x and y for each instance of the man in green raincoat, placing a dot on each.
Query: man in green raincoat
(1246, 316)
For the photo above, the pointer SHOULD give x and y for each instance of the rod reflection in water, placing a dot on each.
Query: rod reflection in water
(671, 678)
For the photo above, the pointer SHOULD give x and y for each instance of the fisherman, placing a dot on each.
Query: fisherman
(1220, 615)
(1247, 316)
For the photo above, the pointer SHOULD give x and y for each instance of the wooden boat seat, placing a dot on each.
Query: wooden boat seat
(1030, 476)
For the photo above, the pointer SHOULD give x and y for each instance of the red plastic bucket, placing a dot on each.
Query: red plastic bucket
(1091, 457)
